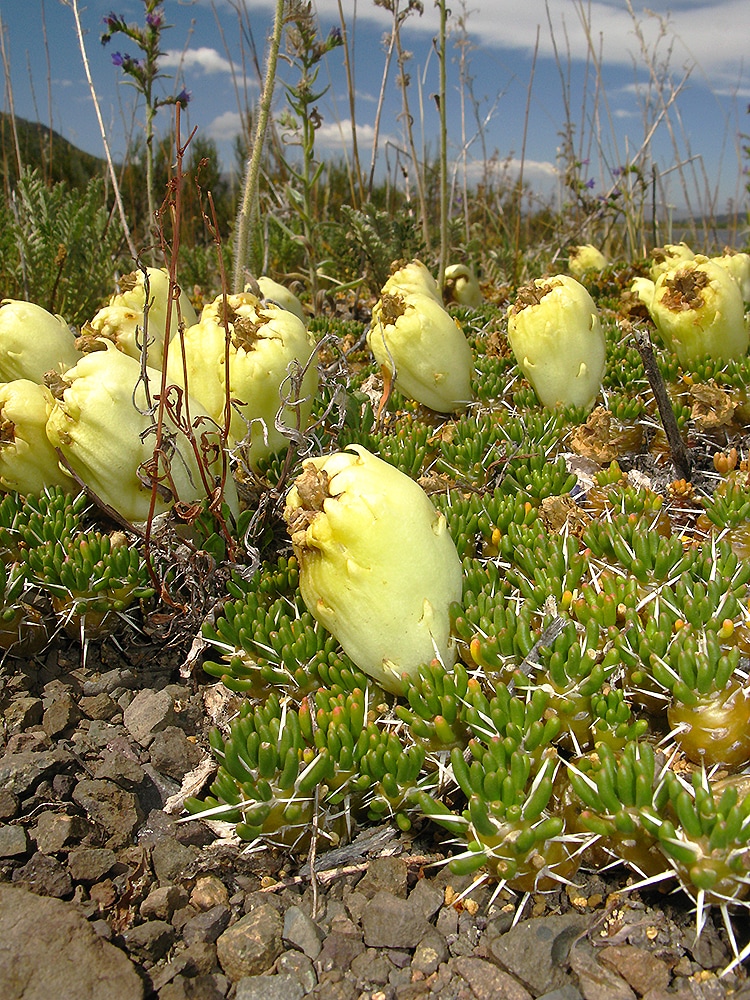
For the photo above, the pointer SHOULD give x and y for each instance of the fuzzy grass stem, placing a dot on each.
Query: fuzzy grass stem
(249, 209)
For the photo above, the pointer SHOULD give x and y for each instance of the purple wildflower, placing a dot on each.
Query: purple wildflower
(590, 183)
(155, 19)
(118, 58)
(183, 98)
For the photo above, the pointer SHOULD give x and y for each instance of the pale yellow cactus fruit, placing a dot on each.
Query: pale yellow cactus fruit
(33, 341)
(738, 265)
(267, 348)
(413, 278)
(122, 321)
(558, 342)
(28, 462)
(100, 422)
(378, 567)
(585, 259)
(273, 291)
(416, 340)
(462, 287)
(698, 310)
(666, 257)
(643, 288)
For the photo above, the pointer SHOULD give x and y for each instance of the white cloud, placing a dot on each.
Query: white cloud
(337, 136)
(203, 59)
(711, 34)
(225, 126)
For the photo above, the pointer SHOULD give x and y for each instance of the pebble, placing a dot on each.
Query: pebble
(89, 864)
(173, 754)
(45, 876)
(148, 713)
(62, 715)
(596, 980)
(9, 804)
(99, 706)
(110, 807)
(56, 831)
(488, 982)
(209, 891)
(252, 945)
(298, 965)
(14, 841)
(162, 902)
(149, 941)
(208, 925)
(170, 858)
(391, 922)
(282, 986)
(430, 953)
(301, 931)
(535, 950)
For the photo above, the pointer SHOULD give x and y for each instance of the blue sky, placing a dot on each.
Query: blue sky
(689, 94)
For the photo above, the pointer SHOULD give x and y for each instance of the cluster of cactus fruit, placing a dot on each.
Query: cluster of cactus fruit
(598, 707)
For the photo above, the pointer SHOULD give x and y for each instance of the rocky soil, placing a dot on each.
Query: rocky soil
(107, 893)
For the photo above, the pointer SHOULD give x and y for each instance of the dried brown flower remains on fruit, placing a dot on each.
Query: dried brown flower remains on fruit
(684, 290)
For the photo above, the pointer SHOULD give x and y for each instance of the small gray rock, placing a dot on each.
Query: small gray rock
(387, 874)
(209, 891)
(282, 986)
(301, 931)
(204, 987)
(20, 773)
(207, 926)
(427, 898)
(61, 715)
(45, 876)
(14, 841)
(89, 864)
(173, 754)
(430, 953)
(22, 713)
(487, 981)
(595, 980)
(9, 804)
(339, 951)
(121, 769)
(252, 945)
(170, 858)
(298, 965)
(535, 951)
(391, 922)
(162, 902)
(113, 808)
(150, 940)
(99, 706)
(56, 831)
(372, 968)
(147, 714)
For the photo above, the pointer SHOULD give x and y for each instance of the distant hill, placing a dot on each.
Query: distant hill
(43, 148)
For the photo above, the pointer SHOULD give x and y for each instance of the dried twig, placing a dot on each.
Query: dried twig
(677, 448)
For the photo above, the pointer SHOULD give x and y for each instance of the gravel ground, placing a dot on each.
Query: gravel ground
(106, 894)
